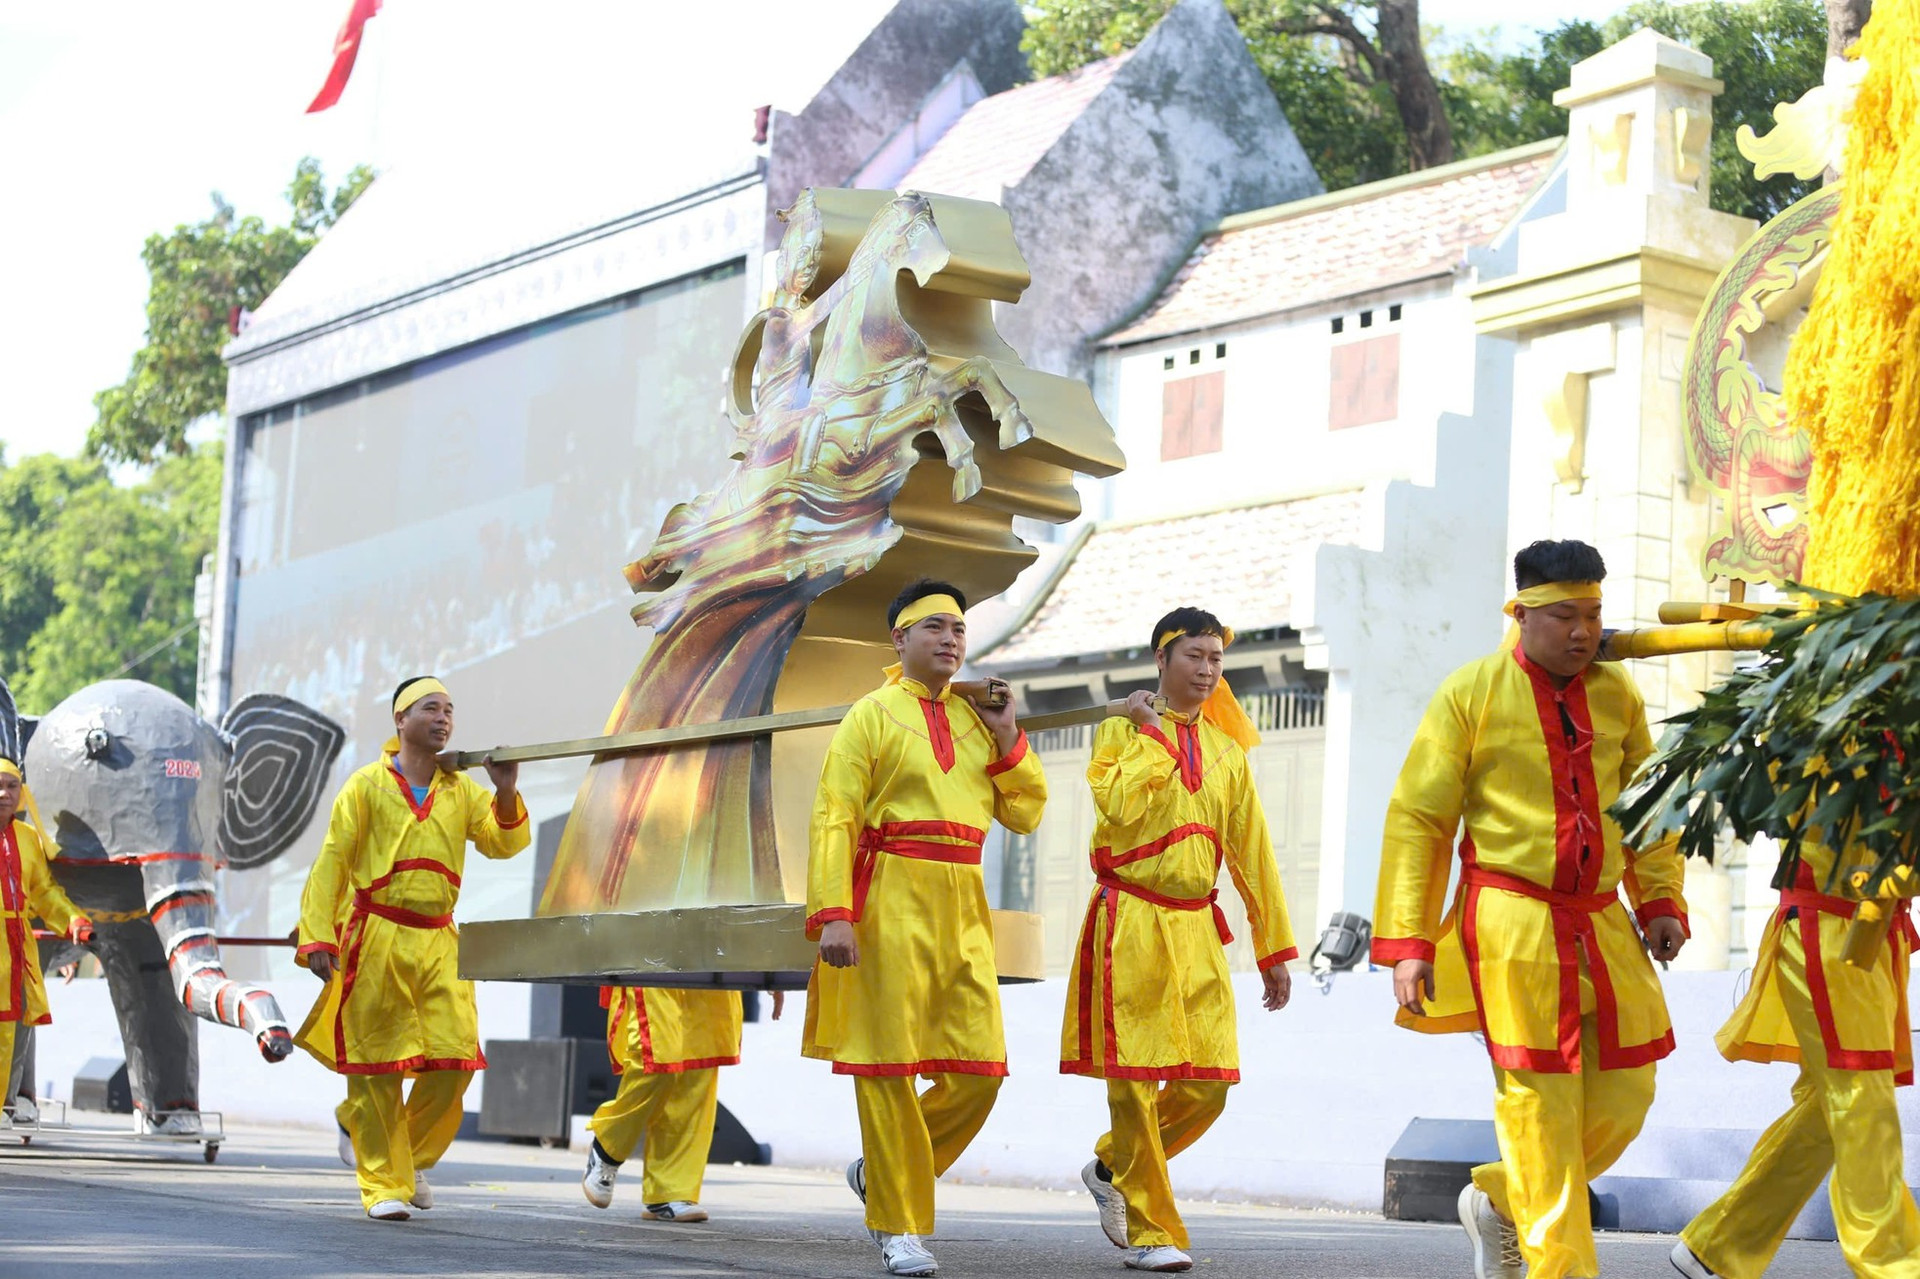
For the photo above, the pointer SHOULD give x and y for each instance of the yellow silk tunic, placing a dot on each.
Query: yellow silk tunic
(664, 1032)
(380, 899)
(27, 889)
(1149, 997)
(1863, 1012)
(1531, 770)
(909, 787)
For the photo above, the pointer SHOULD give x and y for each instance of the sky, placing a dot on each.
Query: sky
(118, 118)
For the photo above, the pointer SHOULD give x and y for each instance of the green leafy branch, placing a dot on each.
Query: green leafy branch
(1810, 743)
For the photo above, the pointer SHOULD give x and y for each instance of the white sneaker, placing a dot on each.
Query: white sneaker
(1112, 1204)
(346, 1144)
(6, 1121)
(1496, 1244)
(1165, 1257)
(389, 1210)
(597, 1185)
(904, 1254)
(1687, 1264)
(178, 1123)
(25, 1111)
(678, 1210)
(422, 1192)
(857, 1177)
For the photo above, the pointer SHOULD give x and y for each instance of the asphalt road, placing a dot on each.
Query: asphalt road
(278, 1204)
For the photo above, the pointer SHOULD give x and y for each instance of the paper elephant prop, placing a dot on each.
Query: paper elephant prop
(145, 800)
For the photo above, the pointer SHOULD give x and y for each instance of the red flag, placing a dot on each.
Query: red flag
(346, 47)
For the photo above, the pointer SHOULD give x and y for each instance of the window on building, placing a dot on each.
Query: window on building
(1366, 319)
(1365, 382)
(1339, 324)
(1193, 356)
(1393, 312)
(1167, 363)
(1220, 351)
(1190, 415)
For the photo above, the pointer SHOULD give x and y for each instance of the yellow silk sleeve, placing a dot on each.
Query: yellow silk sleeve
(43, 894)
(1416, 848)
(324, 897)
(1248, 846)
(839, 815)
(494, 838)
(1019, 788)
(1129, 772)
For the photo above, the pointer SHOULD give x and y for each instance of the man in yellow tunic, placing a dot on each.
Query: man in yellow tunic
(1150, 1005)
(27, 889)
(1529, 746)
(376, 924)
(667, 1047)
(906, 983)
(1848, 1028)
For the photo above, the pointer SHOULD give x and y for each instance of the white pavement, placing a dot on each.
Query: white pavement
(279, 1205)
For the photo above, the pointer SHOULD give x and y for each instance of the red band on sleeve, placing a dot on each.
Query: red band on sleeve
(1279, 957)
(1012, 757)
(324, 946)
(1391, 950)
(1663, 908)
(831, 915)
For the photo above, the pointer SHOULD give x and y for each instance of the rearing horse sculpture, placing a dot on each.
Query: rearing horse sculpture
(883, 430)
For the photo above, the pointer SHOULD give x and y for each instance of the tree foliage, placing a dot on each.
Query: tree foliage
(1343, 112)
(96, 579)
(200, 274)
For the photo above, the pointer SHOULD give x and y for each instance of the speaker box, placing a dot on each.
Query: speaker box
(101, 1084)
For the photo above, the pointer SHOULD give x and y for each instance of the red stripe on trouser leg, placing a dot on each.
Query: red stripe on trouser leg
(909, 1138)
(1153, 1122)
(1843, 1121)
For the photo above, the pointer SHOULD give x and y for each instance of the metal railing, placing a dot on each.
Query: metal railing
(1273, 710)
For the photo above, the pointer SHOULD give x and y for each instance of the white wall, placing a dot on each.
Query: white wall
(1275, 440)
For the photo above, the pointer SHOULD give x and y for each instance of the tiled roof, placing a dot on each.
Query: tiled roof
(999, 139)
(1350, 242)
(1235, 563)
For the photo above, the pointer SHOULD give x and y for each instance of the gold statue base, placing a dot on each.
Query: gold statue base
(704, 947)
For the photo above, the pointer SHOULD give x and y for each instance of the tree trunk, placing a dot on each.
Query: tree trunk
(1844, 20)
(1429, 136)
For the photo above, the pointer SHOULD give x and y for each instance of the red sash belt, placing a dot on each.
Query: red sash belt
(897, 838)
(1212, 899)
(1581, 903)
(363, 903)
(1824, 904)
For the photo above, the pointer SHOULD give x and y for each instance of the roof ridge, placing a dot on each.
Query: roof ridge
(1385, 186)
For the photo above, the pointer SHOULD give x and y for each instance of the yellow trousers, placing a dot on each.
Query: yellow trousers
(6, 1061)
(1557, 1133)
(1843, 1121)
(909, 1138)
(1153, 1122)
(668, 1118)
(394, 1139)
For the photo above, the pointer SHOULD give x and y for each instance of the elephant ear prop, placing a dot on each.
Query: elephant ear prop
(283, 751)
(15, 729)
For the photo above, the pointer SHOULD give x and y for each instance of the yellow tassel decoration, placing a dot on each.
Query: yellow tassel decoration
(1853, 372)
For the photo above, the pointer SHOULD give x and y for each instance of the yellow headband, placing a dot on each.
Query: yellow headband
(927, 606)
(1222, 709)
(11, 769)
(1225, 637)
(1552, 593)
(415, 691)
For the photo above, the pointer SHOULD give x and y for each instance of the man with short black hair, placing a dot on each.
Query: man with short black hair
(1149, 1004)
(376, 924)
(1528, 747)
(906, 984)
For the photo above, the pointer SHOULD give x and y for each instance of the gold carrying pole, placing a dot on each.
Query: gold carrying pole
(1687, 637)
(990, 693)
